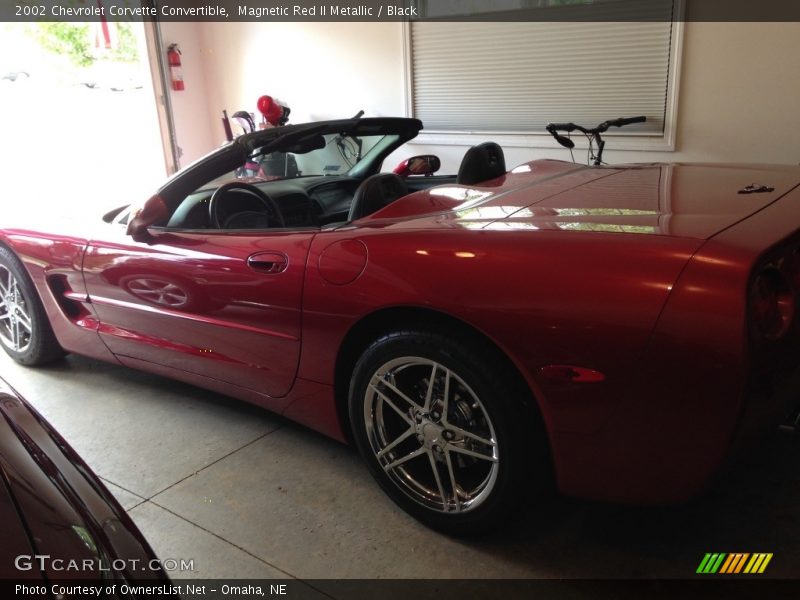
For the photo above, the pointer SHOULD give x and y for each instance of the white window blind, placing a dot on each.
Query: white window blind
(511, 77)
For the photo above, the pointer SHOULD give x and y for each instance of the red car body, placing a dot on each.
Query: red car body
(622, 295)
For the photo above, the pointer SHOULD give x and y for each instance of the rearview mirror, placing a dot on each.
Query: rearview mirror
(153, 211)
(425, 164)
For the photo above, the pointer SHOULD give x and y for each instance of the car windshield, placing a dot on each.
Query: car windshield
(316, 155)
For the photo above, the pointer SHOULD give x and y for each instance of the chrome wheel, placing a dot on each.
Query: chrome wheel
(431, 434)
(16, 327)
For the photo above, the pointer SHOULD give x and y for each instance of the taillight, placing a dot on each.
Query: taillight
(772, 304)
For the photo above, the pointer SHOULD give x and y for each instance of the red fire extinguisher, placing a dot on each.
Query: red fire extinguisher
(175, 71)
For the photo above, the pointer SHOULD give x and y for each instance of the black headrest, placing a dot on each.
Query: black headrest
(376, 192)
(482, 163)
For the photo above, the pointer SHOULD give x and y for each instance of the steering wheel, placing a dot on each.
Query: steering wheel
(270, 206)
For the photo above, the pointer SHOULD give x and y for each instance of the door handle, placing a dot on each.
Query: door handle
(268, 262)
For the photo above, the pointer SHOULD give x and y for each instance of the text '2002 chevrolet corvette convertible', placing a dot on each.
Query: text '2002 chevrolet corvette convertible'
(618, 328)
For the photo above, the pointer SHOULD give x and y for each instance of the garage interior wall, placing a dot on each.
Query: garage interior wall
(739, 86)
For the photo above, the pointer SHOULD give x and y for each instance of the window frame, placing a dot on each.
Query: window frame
(622, 141)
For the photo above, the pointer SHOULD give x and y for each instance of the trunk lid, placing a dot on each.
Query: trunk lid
(693, 201)
(677, 200)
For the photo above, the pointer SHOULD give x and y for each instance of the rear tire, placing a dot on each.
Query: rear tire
(450, 434)
(25, 332)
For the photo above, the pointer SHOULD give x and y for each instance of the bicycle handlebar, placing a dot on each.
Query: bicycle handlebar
(570, 127)
(553, 128)
(593, 133)
(623, 121)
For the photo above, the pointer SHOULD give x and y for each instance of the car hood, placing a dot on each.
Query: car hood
(678, 200)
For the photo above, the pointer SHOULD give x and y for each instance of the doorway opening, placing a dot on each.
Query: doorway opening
(78, 120)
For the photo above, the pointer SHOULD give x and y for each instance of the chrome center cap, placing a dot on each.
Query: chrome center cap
(431, 434)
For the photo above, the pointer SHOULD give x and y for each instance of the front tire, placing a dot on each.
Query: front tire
(450, 434)
(25, 332)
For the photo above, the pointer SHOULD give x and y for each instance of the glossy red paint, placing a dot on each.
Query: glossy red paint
(686, 201)
(638, 274)
(343, 261)
(192, 302)
(54, 263)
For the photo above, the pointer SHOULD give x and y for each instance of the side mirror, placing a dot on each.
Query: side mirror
(153, 211)
(425, 164)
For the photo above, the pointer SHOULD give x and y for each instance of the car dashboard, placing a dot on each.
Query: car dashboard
(303, 202)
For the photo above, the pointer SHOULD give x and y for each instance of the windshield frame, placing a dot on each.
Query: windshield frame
(235, 153)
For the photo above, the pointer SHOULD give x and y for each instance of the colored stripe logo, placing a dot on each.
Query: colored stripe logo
(734, 563)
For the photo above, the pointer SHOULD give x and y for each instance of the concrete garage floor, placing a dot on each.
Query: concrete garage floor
(247, 494)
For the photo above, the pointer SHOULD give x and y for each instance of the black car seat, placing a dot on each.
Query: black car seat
(376, 192)
(481, 163)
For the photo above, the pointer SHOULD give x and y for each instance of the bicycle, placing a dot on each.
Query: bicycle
(593, 135)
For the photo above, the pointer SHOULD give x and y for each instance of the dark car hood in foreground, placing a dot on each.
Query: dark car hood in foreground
(691, 201)
(66, 511)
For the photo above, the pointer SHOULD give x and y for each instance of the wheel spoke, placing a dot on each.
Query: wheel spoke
(453, 484)
(429, 393)
(24, 320)
(460, 450)
(470, 435)
(435, 469)
(14, 289)
(446, 399)
(394, 388)
(141, 291)
(15, 334)
(16, 324)
(404, 459)
(400, 439)
(388, 401)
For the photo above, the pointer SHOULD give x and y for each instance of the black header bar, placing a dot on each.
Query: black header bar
(400, 10)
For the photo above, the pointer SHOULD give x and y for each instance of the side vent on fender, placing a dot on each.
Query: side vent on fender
(71, 303)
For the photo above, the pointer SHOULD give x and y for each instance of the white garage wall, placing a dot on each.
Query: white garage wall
(193, 125)
(323, 70)
(739, 93)
(740, 84)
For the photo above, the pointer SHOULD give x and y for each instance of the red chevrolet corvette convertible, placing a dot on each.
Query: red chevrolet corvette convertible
(620, 330)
